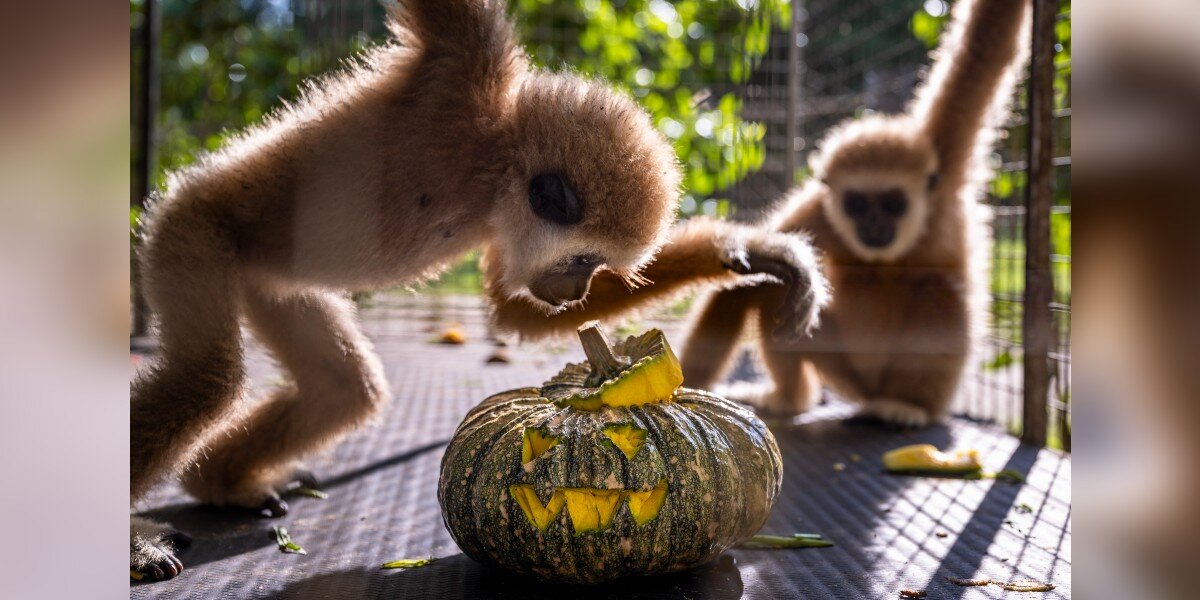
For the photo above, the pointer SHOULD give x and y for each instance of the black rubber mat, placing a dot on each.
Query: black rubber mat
(891, 532)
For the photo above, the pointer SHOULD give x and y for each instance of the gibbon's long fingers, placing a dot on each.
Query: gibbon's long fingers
(982, 46)
(797, 271)
(338, 384)
(152, 547)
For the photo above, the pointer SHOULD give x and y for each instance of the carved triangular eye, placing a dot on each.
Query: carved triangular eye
(644, 506)
(535, 443)
(626, 436)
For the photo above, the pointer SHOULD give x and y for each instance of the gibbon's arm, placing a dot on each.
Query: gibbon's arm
(973, 75)
(700, 251)
(470, 41)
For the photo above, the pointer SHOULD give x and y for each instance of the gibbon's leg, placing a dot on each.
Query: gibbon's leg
(796, 384)
(338, 383)
(714, 335)
(921, 380)
(191, 281)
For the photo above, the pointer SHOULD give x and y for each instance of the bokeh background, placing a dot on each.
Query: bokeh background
(744, 88)
(66, 170)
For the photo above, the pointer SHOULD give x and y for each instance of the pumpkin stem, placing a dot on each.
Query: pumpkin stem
(599, 352)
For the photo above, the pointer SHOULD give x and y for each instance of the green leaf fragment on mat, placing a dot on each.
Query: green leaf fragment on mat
(286, 545)
(798, 540)
(407, 563)
(311, 493)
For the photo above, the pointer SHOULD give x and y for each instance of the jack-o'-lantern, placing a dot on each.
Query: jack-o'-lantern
(609, 469)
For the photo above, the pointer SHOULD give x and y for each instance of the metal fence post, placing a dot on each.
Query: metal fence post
(144, 168)
(1039, 283)
(793, 94)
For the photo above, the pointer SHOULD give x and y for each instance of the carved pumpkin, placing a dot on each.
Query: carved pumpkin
(609, 469)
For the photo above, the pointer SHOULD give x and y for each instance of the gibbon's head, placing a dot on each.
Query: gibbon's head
(589, 183)
(880, 172)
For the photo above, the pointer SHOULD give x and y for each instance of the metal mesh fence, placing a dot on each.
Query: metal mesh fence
(744, 88)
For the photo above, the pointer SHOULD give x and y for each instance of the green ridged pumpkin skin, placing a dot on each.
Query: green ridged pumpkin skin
(721, 465)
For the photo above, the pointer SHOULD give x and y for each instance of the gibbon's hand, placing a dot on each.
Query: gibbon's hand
(790, 260)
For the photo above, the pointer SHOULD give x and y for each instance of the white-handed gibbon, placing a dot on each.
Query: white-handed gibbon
(440, 140)
(893, 208)
(893, 211)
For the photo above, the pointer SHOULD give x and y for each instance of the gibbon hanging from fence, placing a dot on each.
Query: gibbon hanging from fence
(892, 208)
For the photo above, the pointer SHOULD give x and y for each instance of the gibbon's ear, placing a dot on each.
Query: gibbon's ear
(933, 181)
(553, 199)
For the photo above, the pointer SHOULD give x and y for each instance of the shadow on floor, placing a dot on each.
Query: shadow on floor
(460, 577)
(220, 533)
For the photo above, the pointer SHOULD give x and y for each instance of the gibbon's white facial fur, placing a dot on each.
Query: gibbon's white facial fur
(909, 227)
(879, 173)
(620, 170)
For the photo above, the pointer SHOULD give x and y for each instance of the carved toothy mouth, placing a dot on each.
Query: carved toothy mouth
(589, 509)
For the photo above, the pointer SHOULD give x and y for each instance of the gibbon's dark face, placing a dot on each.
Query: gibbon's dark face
(552, 199)
(875, 214)
(589, 184)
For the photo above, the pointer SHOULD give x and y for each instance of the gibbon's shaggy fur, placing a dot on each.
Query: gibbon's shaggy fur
(700, 252)
(441, 140)
(893, 210)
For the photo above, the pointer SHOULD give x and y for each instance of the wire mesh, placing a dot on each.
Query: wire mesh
(744, 88)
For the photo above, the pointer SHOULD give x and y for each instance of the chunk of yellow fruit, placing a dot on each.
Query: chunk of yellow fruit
(540, 516)
(453, 335)
(536, 442)
(626, 436)
(650, 381)
(926, 457)
(644, 506)
(591, 509)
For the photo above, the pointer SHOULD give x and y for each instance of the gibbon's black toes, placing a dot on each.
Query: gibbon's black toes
(738, 264)
(163, 569)
(154, 571)
(306, 479)
(179, 539)
(273, 507)
(174, 566)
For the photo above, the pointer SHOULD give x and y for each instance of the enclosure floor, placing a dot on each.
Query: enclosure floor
(891, 532)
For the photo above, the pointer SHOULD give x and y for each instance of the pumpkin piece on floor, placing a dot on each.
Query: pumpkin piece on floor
(453, 334)
(926, 458)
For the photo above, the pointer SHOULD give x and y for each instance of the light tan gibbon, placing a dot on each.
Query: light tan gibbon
(893, 211)
(893, 208)
(440, 140)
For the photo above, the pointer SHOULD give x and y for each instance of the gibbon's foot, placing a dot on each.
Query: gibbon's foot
(260, 495)
(152, 548)
(896, 412)
(791, 260)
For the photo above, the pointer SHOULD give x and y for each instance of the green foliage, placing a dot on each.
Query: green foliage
(679, 60)
(927, 26)
(225, 65)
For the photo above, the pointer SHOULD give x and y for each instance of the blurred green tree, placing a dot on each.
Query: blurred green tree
(226, 64)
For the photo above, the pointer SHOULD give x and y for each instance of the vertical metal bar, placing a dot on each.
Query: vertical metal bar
(142, 180)
(1039, 284)
(793, 95)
